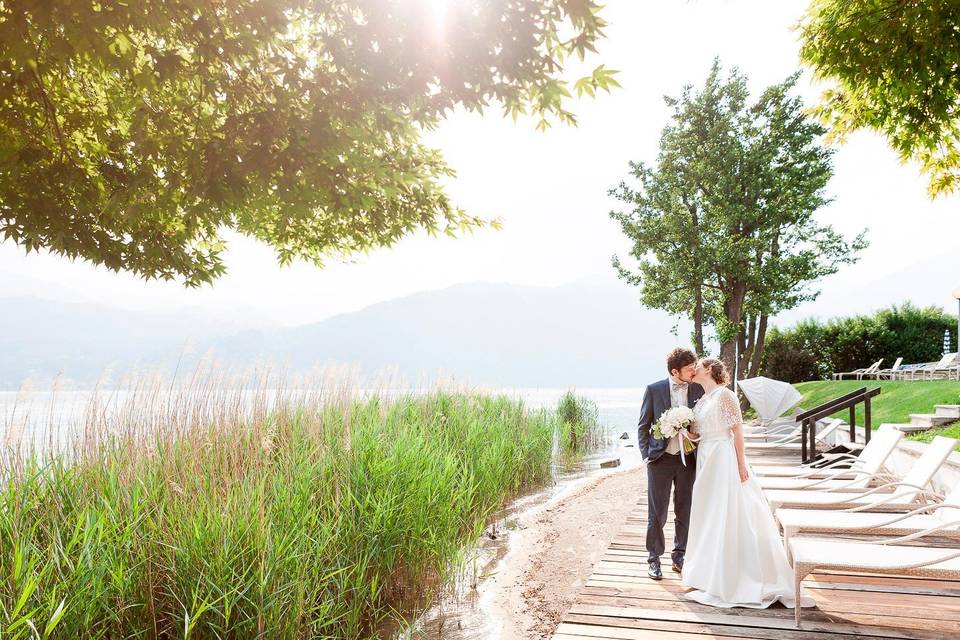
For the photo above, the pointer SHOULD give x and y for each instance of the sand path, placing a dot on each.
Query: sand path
(553, 551)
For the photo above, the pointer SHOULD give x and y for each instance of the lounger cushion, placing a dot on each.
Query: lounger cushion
(868, 557)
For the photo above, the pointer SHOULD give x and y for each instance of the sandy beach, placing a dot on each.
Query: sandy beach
(553, 551)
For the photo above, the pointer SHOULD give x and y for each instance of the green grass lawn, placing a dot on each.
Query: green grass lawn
(897, 399)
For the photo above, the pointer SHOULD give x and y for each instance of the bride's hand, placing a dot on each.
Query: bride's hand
(744, 474)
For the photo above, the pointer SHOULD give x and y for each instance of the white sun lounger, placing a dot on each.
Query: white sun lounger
(932, 370)
(793, 439)
(872, 455)
(859, 478)
(942, 517)
(859, 373)
(811, 554)
(891, 373)
(892, 496)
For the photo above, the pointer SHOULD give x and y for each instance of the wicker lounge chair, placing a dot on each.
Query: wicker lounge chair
(943, 517)
(892, 496)
(811, 554)
(792, 440)
(860, 478)
(873, 455)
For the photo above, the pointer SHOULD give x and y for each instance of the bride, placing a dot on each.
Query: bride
(734, 554)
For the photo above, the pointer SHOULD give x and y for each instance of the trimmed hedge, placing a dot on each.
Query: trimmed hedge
(812, 350)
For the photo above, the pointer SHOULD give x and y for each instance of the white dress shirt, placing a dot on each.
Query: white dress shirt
(678, 398)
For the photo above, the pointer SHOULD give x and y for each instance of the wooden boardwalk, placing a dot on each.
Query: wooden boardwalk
(620, 601)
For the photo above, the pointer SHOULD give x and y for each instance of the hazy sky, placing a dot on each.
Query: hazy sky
(550, 190)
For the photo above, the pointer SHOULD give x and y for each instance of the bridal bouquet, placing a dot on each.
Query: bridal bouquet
(676, 421)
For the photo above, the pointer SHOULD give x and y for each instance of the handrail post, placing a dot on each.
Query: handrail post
(808, 419)
(867, 424)
(803, 441)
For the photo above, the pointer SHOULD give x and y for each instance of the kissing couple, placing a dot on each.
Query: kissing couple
(736, 556)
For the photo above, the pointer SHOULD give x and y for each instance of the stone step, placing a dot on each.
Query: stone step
(949, 410)
(929, 420)
(907, 428)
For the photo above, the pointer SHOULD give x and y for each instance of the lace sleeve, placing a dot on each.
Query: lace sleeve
(730, 415)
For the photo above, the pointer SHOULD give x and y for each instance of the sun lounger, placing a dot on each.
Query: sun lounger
(930, 371)
(859, 373)
(812, 554)
(942, 516)
(859, 478)
(892, 496)
(888, 374)
(872, 455)
(792, 439)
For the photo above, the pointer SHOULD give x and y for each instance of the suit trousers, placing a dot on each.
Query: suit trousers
(664, 473)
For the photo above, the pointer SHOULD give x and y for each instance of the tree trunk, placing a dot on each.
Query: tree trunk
(733, 310)
(698, 322)
(758, 347)
(747, 342)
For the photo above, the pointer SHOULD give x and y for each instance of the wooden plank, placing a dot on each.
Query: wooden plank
(947, 608)
(827, 604)
(882, 588)
(620, 633)
(758, 621)
(644, 626)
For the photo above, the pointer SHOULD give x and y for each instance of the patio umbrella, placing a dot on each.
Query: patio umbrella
(770, 398)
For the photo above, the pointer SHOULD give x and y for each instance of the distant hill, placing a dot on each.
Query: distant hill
(40, 338)
(497, 334)
(494, 334)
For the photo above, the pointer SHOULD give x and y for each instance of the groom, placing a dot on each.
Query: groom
(664, 466)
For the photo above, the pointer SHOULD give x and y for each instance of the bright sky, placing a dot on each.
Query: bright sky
(550, 188)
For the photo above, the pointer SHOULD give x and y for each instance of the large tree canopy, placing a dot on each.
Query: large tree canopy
(132, 134)
(894, 68)
(723, 225)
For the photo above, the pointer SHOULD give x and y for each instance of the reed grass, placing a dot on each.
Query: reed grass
(226, 509)
(579, 424)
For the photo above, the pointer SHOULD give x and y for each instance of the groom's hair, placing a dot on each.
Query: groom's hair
(679, 358)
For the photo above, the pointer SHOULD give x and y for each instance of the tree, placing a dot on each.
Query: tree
(893, 67)
(133, 134)
(723, 224)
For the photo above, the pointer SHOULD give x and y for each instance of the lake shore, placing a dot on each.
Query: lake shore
(553, 550)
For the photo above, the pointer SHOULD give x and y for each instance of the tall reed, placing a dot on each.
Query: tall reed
(579, 423)
(228, 509)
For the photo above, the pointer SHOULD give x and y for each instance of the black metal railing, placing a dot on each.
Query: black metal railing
(808, 419)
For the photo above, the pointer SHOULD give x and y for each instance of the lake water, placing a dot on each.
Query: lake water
(34, 416)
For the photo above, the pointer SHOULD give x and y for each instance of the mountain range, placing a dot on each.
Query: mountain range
(592, 333)
(482, 333)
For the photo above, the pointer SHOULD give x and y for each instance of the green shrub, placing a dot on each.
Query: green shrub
(791, 363)
(816, 350)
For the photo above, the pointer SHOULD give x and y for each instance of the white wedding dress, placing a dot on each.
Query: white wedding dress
(735, 557)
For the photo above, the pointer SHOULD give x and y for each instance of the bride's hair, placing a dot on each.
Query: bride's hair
(717, 370)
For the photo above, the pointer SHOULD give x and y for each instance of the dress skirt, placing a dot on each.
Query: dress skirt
(735, 557)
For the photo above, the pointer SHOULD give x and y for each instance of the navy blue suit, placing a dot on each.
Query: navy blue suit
(665, 472)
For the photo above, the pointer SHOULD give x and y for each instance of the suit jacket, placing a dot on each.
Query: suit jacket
(656, 400)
